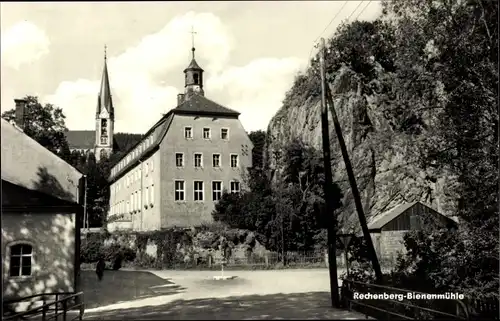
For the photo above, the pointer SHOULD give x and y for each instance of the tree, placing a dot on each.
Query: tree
(45, 124)
(258, 139)
(285, 208)
(446, 82)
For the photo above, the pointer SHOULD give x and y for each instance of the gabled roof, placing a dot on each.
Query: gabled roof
(28, 164)
(193, 105)
(379, 221)
(84, 139)
(200, 105)
(80, 139)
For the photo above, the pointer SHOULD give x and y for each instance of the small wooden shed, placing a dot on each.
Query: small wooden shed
(388, 228)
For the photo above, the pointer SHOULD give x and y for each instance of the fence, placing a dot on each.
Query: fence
(384, 303)
(52, 306)
(254, 261)
(267, 260)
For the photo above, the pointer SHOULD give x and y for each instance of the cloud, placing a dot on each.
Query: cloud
(23, 43)
(142, 78)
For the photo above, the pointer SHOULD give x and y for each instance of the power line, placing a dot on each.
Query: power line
(354, 10)
(363, 10)
(315, 40)
(338, 12)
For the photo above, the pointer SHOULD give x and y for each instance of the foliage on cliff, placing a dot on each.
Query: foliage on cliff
(416, 93)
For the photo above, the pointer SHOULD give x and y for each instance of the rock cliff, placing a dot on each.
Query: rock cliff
(385, 160)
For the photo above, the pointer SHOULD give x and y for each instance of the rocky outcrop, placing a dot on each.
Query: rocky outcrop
(385, 161)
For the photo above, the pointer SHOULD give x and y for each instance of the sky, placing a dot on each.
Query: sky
(250, 51)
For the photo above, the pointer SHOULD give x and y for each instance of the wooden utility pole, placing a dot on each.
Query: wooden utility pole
(328, 191)
(350, 174)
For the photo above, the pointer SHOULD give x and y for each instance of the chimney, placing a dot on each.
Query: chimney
(180, 99)
(20, 112)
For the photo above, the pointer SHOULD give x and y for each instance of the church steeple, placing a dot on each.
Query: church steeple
(193, 74)
(104, 99)
(105, 116)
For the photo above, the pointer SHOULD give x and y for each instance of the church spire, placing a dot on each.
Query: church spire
(104, 99)
(193, 73)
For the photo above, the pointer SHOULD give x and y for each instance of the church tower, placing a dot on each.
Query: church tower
(193, 76)
(105, 117)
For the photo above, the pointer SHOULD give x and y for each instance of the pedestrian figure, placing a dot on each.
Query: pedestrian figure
(99, 270)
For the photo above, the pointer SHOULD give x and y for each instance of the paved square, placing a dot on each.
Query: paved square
(253, 295)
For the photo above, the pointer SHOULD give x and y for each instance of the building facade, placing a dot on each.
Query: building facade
(101, 140)
(41, 204)
(174, 176)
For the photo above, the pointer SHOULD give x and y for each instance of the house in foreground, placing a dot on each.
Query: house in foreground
(387, 229)
(176, 173)
(41, 205)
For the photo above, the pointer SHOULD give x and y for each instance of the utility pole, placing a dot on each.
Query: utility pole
(85, 214)
(331, 225)
(350, 174)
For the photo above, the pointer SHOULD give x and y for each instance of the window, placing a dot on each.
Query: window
(235, 187)
(198, 190)
(152, 197)
(224, 133)
(179, 191)
(104, 140)
(198, 159)
(206, 133)
(216, 160)
(234, 160)
(196, 79)
(216, 191)
(179, 159)
(146, 197)
(146, 168)
(21, 256)
(188, 132)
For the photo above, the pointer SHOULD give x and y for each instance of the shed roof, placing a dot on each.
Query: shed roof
(28, 164)
(379, 221)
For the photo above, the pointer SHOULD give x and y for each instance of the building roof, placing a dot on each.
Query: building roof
(80, 139)
(199, 105)
(380, 220)
(195, 104)
(28, 164)
(193, 65)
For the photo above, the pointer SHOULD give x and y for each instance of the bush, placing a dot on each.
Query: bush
(91, 247)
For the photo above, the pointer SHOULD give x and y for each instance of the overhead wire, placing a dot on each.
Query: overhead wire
(331, 21)
(363, 9)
